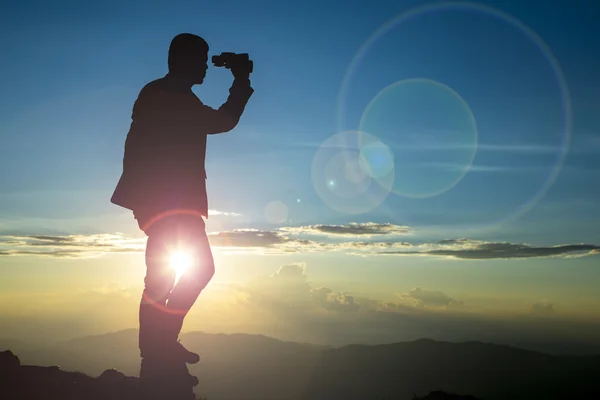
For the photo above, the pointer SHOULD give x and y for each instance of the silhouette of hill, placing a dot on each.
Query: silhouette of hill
(31, 382)
(485, 370)
(242, 366)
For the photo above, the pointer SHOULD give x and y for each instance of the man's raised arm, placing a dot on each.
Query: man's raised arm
(228, 115)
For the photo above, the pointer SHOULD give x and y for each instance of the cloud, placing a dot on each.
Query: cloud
(53, 253)
(286, 289)
(289, 290)
(359, 239)
(543, 307)
(454, 241)
(331, 300)
(288, 305)
(289, 293)
(478, 250)
(430, 298)
(352, 229)
(52, 239)
(287, 240)
(263, 242)
(68, 246)
(224, 213)
(247, 238)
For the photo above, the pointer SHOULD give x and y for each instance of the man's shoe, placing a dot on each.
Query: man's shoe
(184, 354)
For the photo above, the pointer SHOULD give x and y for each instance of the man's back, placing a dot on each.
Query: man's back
(165, 149)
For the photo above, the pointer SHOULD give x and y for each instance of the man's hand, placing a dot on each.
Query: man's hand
(242, 70)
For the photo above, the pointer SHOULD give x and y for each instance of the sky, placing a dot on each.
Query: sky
(404, 169)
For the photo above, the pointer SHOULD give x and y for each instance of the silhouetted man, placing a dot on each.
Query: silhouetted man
(163, 183)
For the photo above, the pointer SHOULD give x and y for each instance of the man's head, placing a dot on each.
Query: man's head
(188, 57)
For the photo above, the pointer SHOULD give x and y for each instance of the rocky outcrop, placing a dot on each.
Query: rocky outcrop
(29, 382)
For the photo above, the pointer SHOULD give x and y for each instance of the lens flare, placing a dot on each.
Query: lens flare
(434, 135)
(404, 187)
(343, 172)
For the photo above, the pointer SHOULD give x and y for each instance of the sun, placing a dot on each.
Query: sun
(180, 261)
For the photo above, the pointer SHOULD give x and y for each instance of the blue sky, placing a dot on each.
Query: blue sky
(84, 63)
(477, 119)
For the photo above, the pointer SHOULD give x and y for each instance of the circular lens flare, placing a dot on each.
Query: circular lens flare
(344, 169)
(433, 132)
(376, 159)
(565, 99)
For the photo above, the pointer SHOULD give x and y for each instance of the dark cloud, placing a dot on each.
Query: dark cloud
(504, 250)
(453, 241)
(52, 239)
(352, 229)
(247, 238)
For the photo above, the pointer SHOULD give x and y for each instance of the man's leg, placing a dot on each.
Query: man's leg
(159, 281)
(183, 296)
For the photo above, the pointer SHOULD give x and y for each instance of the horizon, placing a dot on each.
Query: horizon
(305, 371)
(469, 213)
(552, 348)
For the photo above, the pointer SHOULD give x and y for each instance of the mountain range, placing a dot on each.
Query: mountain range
(244, 367)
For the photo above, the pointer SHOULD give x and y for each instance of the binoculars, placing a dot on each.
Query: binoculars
(229, 60)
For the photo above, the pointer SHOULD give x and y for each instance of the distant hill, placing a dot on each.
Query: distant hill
(244, 367)
(485, 370)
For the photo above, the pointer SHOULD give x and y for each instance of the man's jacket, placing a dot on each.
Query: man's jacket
(165, 149)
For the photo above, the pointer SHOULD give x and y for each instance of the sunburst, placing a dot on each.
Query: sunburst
(180, 260)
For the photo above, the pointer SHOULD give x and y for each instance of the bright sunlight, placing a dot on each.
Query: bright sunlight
(180, 261)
